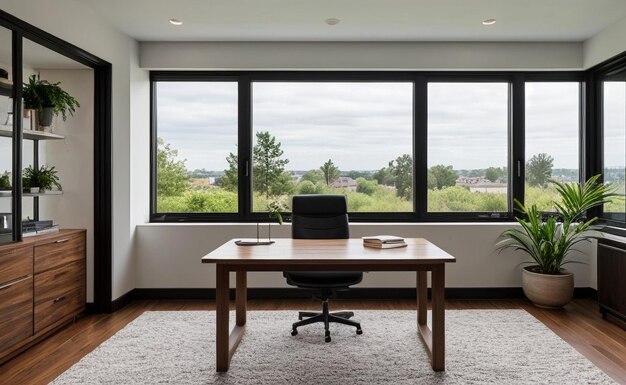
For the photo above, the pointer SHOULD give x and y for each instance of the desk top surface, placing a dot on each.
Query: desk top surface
(327, 251)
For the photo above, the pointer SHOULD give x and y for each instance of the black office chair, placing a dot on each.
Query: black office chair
(322, 217)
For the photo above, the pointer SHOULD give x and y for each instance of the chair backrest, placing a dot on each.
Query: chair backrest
(319, 217)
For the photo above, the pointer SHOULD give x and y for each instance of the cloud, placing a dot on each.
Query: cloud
(365, 125)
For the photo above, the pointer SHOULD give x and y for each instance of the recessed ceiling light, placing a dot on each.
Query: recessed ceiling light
(489, 22)
(332, 21)
(175, 22)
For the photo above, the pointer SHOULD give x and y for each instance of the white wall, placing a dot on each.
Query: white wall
(361, 56)
(80, 25)
(606, 44)
(73, 158)
(168, 255)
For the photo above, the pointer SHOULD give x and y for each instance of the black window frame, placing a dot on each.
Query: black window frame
(420, 80)
(596, 77)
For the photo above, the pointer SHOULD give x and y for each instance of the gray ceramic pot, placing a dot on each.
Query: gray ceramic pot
(45, 116)
(548, 290)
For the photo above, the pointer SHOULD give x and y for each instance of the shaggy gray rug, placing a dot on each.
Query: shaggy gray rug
(483, 346)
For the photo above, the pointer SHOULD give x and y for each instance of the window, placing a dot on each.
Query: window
(552, 139)
(614, 127)
(401, 146)
(468, 130)
(333, 138)
(196, 147)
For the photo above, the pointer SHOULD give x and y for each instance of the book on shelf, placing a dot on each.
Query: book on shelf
(48, 230)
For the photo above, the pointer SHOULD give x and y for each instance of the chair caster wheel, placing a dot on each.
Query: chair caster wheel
(294, 332)
(359, 331)
(327, 339)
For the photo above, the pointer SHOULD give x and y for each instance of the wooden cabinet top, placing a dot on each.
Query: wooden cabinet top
(40, 239)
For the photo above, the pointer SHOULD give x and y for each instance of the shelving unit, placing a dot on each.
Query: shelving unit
(8, 194)
(32, 135)
(35, 136)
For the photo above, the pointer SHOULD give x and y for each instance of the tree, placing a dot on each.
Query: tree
(444, 175)
(402, 169)
(171, 173)
(365, 186)
(229, 180)
(494, 173)
(384, 177)
(313, 176)
(268, 168)
(539, 170)
(331, 172)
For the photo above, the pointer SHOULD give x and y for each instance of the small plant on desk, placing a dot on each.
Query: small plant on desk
(275, 209)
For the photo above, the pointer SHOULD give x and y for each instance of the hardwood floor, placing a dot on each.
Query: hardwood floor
(580, 324)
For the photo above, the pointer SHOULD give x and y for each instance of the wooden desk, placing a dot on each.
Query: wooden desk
(333, 255)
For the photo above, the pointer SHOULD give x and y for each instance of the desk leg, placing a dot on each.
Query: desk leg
(438, 311)
(221, 318)
(241, 297)
(422, 298)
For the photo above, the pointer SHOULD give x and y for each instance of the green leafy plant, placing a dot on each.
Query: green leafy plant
(275, 208)
(39, 94)
(5, 181)
(45, 178)
(549, 239)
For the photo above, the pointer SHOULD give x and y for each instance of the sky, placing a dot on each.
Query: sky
(362, 126)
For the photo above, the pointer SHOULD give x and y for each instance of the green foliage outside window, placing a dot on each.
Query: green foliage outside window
(171, 175)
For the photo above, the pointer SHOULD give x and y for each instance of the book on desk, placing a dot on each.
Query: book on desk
(384, 242)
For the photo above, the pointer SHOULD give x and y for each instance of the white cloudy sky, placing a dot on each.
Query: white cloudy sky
(364, 126)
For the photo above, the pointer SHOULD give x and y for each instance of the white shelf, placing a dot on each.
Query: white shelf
(7, 194)
(31, 135)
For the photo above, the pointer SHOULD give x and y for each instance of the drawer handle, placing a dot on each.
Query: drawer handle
(62, 241)
(8, 285)
(61, 298)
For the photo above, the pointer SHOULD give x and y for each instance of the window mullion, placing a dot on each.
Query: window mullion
(244, 152)
(517, 160)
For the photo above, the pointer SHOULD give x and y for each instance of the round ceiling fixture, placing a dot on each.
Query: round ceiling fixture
(175, 22)
(332, 21)
(489, 22)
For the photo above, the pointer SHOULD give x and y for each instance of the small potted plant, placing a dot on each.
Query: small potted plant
(549, 240)
(48, 100)
(5, 181)
(40, 180)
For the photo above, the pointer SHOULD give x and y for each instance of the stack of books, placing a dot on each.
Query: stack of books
(384, 242)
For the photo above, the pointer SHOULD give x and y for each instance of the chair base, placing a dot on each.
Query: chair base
(326, 317)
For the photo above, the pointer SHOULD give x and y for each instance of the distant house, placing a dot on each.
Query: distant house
(344, 182)
(479, 184)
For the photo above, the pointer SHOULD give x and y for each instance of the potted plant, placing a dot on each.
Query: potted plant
(47, 99)
(40, 180)
(549, 239)
(5, 181)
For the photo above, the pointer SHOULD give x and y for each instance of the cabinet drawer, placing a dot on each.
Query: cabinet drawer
(54, 283)
(16, 263)
(61, 307)
(16, 312)
(59, 251)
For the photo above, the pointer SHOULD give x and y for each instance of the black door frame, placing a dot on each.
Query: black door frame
(101, 146)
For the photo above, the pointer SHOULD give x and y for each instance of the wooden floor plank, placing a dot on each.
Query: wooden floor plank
(580, 324)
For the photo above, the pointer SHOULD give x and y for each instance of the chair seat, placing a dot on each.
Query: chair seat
(323, 279)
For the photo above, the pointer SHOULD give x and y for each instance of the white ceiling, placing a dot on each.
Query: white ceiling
(361, 20)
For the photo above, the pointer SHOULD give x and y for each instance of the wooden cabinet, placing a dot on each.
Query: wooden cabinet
(42, 288)
(611, 278)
